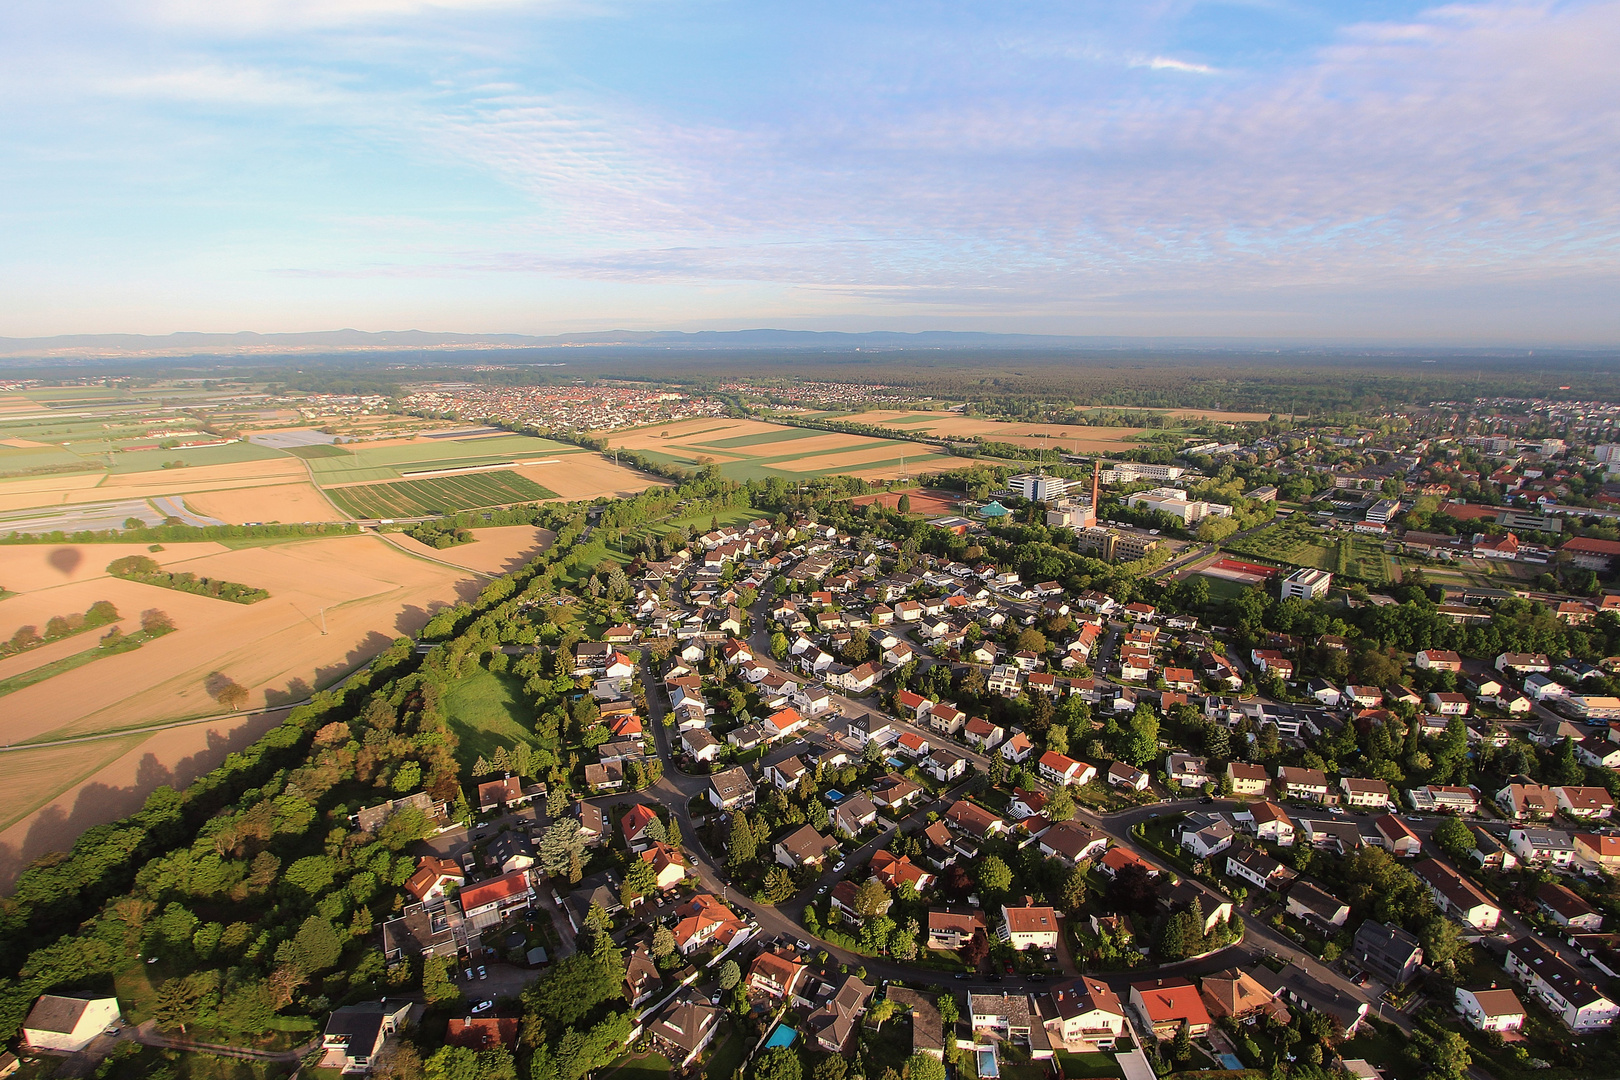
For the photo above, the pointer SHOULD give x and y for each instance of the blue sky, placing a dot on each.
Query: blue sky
(1375, 171)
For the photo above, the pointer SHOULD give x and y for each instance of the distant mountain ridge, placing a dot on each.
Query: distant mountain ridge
(247, 342)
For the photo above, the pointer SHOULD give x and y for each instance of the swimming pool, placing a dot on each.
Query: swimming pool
(1231, 1061)
(984, 1059)
(834, 795)
(782, 1036)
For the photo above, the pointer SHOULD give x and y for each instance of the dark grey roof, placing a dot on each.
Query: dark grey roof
(55, 1013)
(360, 1025)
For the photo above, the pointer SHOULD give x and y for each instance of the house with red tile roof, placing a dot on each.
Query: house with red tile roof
(704, 919)
(1166, 1004)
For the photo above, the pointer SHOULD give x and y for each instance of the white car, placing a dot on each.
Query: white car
(482, 974)
(483, 1006)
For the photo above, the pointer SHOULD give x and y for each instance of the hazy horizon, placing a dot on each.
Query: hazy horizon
(1397, 172)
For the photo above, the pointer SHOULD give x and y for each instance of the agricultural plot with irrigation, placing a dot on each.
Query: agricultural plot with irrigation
(439, 495)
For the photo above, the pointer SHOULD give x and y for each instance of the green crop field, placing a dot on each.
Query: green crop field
(1363, 558)
(317, 450)
(389, 462)
(230, 453)
(437, 495)
(764, 438)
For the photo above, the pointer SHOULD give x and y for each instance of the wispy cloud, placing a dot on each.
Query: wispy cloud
(1166, 63)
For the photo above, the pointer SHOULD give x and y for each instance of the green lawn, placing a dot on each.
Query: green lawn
(726, 1053)
(888, 1048)
(1088, 1066)
(1383, 1044)
(1296, 543)
(641, 1067)
(487, 711)
(318, 450)
(1224, 588)
(699, 523)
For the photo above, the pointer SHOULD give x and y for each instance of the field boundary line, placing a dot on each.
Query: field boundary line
(147, 729)
(428, 558)
(344, 515)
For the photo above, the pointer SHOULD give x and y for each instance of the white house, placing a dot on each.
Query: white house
(1030, 927)
(1491, 1010)
(1542, 846)
(1365, 794)
(1576, 1002)
(1062, 769)
(945, 766)
(1205, 837)
(1017, 748)
(1270, 822)
(68, 1024)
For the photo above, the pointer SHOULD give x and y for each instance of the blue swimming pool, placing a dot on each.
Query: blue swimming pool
(782, 1036)
(984, 1060)
(834, 795)
(1231, 1061)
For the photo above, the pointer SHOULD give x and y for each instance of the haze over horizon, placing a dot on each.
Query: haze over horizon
(1402, 173)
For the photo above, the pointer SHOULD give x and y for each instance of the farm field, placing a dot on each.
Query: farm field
(754, 449)
(499, 549)
(396, 459)
(58, 792)
(1065, 437)
(590, 476)
(283, 503)
(370, 591)
(438, 495)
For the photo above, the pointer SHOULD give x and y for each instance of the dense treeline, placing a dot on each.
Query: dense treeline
(174, 534)
(58, 627)
(148, 572)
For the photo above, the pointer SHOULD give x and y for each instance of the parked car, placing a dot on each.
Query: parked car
(1037, 976)
(483, 1006)
(482, 974)
(961, 975)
